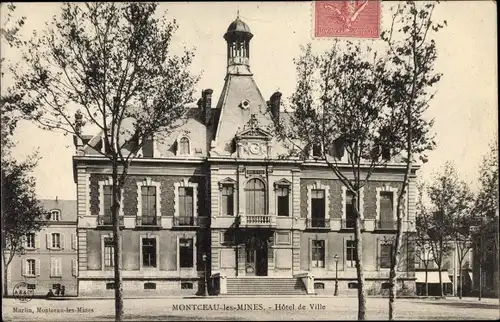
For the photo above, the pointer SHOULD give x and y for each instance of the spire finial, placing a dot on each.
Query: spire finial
(238, 14)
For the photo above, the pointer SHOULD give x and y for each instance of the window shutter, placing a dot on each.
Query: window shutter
(37, 267)
(62, 240)
(47, 239)
(73, 241)
(343, 253)
(52, 265)
(310, 253)
(23, 267)
(74, 267)
(377, 260)
(37, 241)
(23, 241)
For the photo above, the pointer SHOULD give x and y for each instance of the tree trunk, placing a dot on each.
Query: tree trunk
(115, 208)
(426, 281)
(5, 281)
(395, 254)
(460, 285)
(359, 261)
(6, 264)
(440, 281)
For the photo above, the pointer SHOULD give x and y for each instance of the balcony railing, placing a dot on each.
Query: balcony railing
(148, 221)
(318, 223)
(386, 224)
(350, 224)
(258, 220)
(185, 222)
(108, 221)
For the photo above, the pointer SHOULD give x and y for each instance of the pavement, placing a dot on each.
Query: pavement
(249, 309)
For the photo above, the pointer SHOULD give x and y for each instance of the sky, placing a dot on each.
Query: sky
(464, 108)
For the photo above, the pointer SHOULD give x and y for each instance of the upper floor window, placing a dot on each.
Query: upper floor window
(107, 202)
(349, 211)
(55, 215)
(283, 193)
(318, 253)
(317, 203)
(227, 202)
(149, 252)
(148, 195)
(56, 240)
(255, 197)
(351, 252)
(30, 240)
(184, 147)
(185, 201)
(386, 210)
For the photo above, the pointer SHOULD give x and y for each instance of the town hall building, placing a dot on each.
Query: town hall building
(217, 196)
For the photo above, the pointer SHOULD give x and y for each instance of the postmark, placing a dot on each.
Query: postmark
(22, 292)
(355, 19)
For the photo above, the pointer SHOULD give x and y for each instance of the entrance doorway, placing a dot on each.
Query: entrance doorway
(256, 261)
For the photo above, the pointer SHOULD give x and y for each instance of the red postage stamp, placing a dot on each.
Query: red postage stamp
(357, 19)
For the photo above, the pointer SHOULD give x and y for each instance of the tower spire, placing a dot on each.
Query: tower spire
(238, 37)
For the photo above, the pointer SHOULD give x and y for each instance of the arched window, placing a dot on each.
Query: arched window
(255, 193)
(184, 146)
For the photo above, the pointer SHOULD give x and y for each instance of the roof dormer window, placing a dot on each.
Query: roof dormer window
(184, 146)
(55, 215)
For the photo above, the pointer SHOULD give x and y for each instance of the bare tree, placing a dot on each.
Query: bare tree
(344, 104)
(449, 199)
(114, 63)
(412, 51)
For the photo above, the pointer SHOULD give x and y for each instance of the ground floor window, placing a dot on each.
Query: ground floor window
(150, 286)
(318, 253)
(186, 286)
(149, 252)
(186, 251)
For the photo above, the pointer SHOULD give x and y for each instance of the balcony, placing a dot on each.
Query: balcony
(148, 221)
(107, 221)
(385, 225)
(181, 222)
(350, 224)
(257, 221)
(318, 223)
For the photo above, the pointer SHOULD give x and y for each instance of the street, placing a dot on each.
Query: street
(248, 308)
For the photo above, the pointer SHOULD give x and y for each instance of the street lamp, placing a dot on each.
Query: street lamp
(336, 258)
(205, 284)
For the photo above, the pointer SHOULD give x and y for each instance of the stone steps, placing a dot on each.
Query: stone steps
(265, 286)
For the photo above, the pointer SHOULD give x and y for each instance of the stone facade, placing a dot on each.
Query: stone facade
(253, 208)
(55, 261)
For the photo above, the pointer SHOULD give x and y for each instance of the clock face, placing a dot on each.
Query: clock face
(254, 148)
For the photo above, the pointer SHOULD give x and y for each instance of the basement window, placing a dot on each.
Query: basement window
(319, 286)
(386, 286)
(150, 286)
(186, 286)
(110, 286)
(31, 286)
(352, 285)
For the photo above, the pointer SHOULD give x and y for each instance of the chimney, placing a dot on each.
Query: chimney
(274, 105)
(206, 103)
